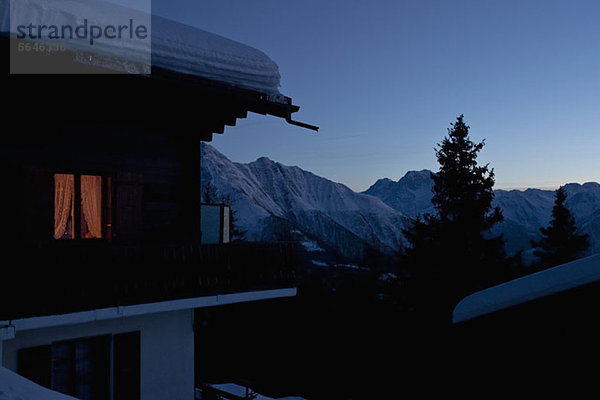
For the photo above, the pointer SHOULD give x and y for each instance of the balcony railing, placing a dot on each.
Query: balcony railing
(70, 277)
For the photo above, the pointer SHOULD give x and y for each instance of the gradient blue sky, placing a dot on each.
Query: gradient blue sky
(384, 80)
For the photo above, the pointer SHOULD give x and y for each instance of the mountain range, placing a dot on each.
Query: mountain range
(278, 202)
(525, 212)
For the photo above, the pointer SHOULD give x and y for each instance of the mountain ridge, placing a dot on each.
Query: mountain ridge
(278, 202)
(525, 211)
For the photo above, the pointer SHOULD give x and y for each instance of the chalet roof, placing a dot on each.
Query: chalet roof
(185, 49)
(528, 288)
(177, 53)
(173, 46)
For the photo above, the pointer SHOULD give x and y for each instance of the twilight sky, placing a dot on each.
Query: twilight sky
(384, 80)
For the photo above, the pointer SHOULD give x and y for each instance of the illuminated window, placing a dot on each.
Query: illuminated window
(77, 206)
(64, 194)
(91, 207)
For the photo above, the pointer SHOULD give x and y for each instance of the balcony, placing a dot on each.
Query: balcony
(69, 277)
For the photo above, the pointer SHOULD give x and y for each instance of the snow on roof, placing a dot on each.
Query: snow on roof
(81, 317)
(16, 387)
(173, 45)
(527, 288)
(190, 50)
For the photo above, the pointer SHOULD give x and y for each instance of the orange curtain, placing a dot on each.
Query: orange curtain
(64, 185)
(91, 205)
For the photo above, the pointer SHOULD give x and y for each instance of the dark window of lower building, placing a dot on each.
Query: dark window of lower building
(35, 364)
(127, 366)
(82, 367)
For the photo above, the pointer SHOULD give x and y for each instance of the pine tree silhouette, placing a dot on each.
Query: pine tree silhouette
(451, 252)
(463, 200)
(236, 234)
(561, 241)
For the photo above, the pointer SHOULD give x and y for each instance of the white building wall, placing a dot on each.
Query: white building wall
(166, 349)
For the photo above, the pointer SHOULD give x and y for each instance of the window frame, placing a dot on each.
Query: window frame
(106, 207)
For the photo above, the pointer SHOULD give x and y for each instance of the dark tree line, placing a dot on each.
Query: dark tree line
(451, 252)
(561, 241)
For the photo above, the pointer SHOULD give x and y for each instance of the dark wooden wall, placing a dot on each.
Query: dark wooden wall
(154, 176)
(142, 131)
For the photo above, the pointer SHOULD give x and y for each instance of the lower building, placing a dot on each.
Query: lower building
(141, 351)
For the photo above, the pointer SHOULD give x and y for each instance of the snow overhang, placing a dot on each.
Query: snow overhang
(528, 288)
(171, 51)
(168, 44)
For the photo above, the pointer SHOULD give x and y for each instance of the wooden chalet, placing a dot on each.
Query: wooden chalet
(103, 262)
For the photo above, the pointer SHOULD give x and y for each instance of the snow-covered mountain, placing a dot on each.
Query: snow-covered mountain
(278, 202)
(411, 195)
(524, 211)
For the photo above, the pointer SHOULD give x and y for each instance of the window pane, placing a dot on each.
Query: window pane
(64, 188)
(83, 370)
(81, 367)
(34, 363)
(62, 367)
(127, 366)
(91, 206)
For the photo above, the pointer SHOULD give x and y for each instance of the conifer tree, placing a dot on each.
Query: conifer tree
(235, 233)
(561, 241)
(209, 194)
(451, 252)
(463, 201)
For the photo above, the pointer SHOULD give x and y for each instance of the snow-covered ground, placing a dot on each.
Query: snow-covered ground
(325, 264)
(311, 245)
(15, 387)
(239, 390)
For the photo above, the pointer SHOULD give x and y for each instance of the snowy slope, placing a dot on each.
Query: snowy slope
(531, 209)
(15, 387)
(274, 200)
(524, 211)
(411, 195)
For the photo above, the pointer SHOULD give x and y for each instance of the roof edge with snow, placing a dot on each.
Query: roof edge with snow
(170, 44)
(142, 309)
(528, 288)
